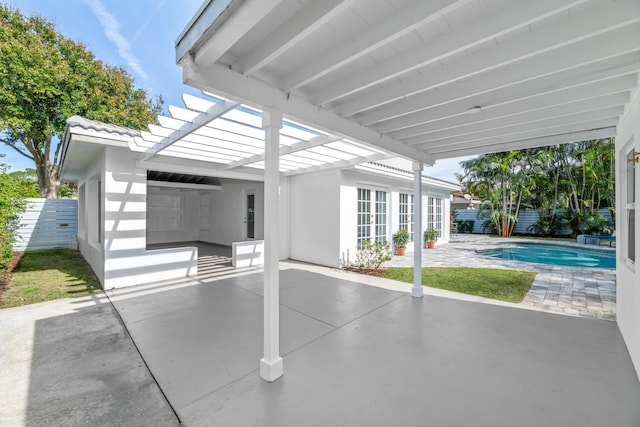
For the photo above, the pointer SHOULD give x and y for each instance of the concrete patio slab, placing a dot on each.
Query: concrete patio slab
(356, 354)
(71, 363)
(441, 362)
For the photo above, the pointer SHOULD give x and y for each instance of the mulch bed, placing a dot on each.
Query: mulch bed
(5, 275)
(369, 271)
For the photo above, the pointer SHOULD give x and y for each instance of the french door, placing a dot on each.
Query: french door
(372, 215)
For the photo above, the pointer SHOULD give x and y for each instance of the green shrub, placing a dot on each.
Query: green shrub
(371, 255)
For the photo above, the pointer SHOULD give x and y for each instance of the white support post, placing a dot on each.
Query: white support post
(416, 290)
(271, 365)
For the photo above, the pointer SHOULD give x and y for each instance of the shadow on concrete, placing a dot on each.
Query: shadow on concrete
(72, 363)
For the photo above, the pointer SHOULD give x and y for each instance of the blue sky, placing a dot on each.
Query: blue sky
(138, 35)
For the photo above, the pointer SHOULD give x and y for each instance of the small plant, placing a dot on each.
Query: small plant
(371, 255)
(430, 234)
(401, 238)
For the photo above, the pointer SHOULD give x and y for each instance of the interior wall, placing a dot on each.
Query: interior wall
(315, 218)
(191, 218)
(627, 275)
(226, 223)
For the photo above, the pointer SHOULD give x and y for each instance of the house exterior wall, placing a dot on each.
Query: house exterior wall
(627, 274)
(120, 206)
(88, 207)
(351, 180)
(315, 218)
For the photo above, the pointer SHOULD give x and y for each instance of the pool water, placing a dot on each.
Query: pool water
(555, 255)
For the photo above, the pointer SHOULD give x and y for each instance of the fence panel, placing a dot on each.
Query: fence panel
(47, 224)
(526, 219)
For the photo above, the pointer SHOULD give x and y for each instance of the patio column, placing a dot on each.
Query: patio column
(271, 365)
(416, 290)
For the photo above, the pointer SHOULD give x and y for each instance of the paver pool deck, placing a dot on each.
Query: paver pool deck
(576, 291)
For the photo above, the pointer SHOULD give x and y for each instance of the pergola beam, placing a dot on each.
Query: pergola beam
(255, 92)
(299, 146)
(199, 121)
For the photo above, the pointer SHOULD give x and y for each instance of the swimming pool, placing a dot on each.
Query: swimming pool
(554, 255)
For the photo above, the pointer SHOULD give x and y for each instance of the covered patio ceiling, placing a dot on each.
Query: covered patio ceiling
(424, 79)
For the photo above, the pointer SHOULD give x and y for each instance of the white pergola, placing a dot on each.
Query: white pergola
(425, 80)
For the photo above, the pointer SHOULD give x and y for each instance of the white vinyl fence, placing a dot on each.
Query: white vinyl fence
(526, 219)
(47, 224)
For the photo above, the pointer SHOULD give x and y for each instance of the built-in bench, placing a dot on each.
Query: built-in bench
(249, 253)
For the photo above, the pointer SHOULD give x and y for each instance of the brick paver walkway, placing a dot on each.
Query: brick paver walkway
(576, 291)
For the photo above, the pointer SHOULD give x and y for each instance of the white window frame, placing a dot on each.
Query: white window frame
(372, 223)
(405, 212)
(435, 213)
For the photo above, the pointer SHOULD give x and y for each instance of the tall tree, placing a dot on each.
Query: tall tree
(46, 78)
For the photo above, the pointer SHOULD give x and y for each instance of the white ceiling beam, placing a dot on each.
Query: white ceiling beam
(515, 15)
(577, 83)
(515, 136)
(587, 40)
(196, 167)
(306, 21)
(515, 80)
(212, 40)
(526, 143)
(212, 113)
(397, 25)
(526, 124)
(255, 92)
(511, 113)
(299, 146)
(171, 184)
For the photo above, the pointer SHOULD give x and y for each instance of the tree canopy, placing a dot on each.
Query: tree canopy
(46, 78)
(577, 178)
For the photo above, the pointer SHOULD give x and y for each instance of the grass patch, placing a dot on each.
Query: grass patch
(47, 275)
(504, 285)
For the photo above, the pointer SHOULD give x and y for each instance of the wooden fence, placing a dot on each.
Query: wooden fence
(47, 224)
(526, 219)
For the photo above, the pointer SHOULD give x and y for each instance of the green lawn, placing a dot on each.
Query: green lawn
(47, 275)
(504, 285)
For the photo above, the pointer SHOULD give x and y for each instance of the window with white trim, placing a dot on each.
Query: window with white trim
(381, 216)
(405, 207)
(372, 215)
(434, 214)
(364, 215)
(165, 212)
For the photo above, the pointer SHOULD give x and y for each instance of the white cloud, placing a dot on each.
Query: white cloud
(111, 28)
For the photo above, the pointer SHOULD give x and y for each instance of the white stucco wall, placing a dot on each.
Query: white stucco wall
(627, 274)
(315, 218)
(351, 180)
(127, 262)
(93, 252)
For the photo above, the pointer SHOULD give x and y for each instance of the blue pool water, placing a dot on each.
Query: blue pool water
(555, 255)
